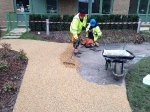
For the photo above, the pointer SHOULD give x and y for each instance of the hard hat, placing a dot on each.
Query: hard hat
(93, 22)
(82, 13)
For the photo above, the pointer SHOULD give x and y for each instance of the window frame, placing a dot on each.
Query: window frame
(31, 8)
(138, 7)
(56, 8)
(15, 8)
(100, 10)
(143, 15)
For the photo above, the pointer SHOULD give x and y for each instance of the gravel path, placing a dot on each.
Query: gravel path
(49, 86)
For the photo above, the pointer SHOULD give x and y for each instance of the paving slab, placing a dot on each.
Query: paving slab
(10, 37)
(15, 33)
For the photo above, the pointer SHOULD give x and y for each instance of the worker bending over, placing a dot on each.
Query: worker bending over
(77, 24)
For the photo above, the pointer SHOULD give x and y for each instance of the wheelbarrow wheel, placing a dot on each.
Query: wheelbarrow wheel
(117, 70)
(116, 77)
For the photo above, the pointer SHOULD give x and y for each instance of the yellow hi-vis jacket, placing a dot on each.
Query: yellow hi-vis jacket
(76, 25)
(96, 32)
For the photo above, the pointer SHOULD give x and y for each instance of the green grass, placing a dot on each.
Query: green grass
(138, 93)
(28, 35)
(3, 33)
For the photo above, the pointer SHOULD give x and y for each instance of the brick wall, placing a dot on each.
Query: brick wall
(67, 7)
(5, 5)
(121, 6)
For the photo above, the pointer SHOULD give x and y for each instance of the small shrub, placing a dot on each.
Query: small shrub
(10, 86)
(109, 38)
(68, 39)
(21, 55)
(6, 46)
(123, 39)
(131, 38)
(125, 32)
(119, 31)
(116, 36)
(14, 78)
(3, 66)
(5, 49)
(106, 41)
(5, 53)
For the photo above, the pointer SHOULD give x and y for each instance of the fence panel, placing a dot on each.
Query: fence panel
(10, 17)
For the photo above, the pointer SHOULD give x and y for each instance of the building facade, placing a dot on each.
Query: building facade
(63, 7)
(5, 6)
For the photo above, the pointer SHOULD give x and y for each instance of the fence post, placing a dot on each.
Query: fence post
(7, 21)
(139, 25)
(25, 15)
(47, 26)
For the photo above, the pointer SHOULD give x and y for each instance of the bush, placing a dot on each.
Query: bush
(67, 18)
(3, 66)
(5, 49)
(32, 24)
(21, 55)
(38, 24)
(55, 26)
(43, 25)
(10, 86)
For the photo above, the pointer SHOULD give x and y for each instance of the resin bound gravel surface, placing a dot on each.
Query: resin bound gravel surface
(50, 86)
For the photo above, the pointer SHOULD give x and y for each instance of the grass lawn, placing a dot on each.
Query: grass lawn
(28, 35)
(3, 33)
(137, 92)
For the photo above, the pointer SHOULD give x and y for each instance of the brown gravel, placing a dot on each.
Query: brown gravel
(67, 60)
(49, 86)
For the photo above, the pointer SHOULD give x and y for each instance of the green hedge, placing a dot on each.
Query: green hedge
(67, 18)
(41, 26)
(37, 26)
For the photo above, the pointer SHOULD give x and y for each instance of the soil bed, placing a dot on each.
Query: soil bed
(10, 79)
(109, 36)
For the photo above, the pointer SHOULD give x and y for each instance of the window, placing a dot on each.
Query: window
(106, 6)
(83, 5)
(22, 6)
(143, 6)
(51, 6)
(133, 6)
(95, 6)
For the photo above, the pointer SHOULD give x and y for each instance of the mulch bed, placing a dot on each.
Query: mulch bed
(109, 36)
(10, 79)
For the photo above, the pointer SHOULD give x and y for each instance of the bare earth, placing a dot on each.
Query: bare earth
(50, 86)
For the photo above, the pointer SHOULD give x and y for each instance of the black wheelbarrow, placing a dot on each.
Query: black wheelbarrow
(115, 59)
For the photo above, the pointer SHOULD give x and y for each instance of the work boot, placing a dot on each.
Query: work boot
(76, 53)
(79, 52)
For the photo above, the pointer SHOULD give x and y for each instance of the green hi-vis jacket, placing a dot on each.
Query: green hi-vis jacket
(96, 32)
(76, 25)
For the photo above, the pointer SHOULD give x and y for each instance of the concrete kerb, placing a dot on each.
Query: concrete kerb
(15, 33)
